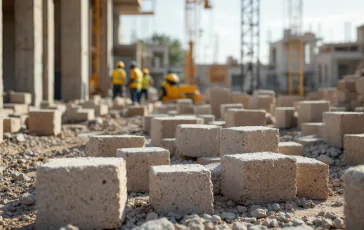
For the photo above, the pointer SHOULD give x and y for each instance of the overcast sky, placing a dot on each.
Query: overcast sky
(223, 22)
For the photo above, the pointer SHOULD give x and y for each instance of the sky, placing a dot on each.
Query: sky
(327, 18)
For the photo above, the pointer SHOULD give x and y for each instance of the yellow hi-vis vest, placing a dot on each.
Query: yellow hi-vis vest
(137, 76)
(172, 92)
(146, 82)
(118, 77)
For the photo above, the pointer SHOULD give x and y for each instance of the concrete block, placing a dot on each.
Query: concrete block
(337, 124)
(167, 195)
(165, 127)
(21, 98)
(241, 98)
(198, 140)
(207, 118)
(354, 197)
(340, 85)
(329, 94)
(106, 145)
(311, 111)
(353, 150)
(288, 101)
(308, 140)
(218, 123)
(257, 93)
(313, 96)
(100, 109)
(257, 178)
(248, 139)
(215, 170)
(284, 117)
(207, 160)
(23, 119)
(17, 108)
(138, 163)
(45, 122)
(95, 188)
(350, 82)
(147, 120)
(219, 96)
(264, 102)
(185, 106)
(245, 117)
(11, 125)
(172, 113)
(119, 103)
(170, 144)
(311, 128)
(359, 85)
(346, 96)
(80, 115)
(312, 178)
(202, 109)
(137, 110)
(225, 107)
(290, 148)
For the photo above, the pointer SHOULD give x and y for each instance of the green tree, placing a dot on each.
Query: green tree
(176, 52)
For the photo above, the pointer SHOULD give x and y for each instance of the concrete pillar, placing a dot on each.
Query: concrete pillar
(74, 49)
(116, 26)
(48, 50)
(106, 55)
(1, 56)
(28, 48)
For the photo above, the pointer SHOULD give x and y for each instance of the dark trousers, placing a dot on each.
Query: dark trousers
(145, 92)
(134, 95)
(117, 90)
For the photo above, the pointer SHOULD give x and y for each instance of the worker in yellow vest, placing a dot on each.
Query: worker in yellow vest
(169, 89)
(135, 82)
(146, 83)
(118, 80)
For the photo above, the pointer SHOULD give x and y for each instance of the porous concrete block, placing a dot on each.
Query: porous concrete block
(219, 96)
(198, 140)
(257, 178)
(241, 98)
(138, 163)
(225, 107)
(106, 145)
(167, 195)
(165, 127)
(257, 93)
(312, 178)
(329, 94)
(100, 109)
(170, 144)
(245, 117)
(11, 125)
(90, 193)
(248, 139)
(207, 118)
(218, 123)
(215, 169)
(77, 114)
(353, 149)
(354, 197)
(264, 102)
(185, 106)
(284, 117)
(21, 98)
(207, 160)
(23, 119)
(337, 124)
(288, 101)
(137, 110)
(17, 108)
(290, 148)
(346, 96)
(202, 109)
(147, 120)
(45, 122)
(311, 128)
(312, 111)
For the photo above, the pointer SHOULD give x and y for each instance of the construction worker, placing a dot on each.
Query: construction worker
(146, 83)
(135, 82)
(118, 80)
(169, 89)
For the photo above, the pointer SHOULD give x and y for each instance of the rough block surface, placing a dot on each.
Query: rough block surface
(219, 96)
(290, 148)
(45, 122)
(137, 110)
(170, 144)
(311, 111)
(311, 128)
(353, 149)
(207, 118)
(207, 160)
(147, 121)
(245, 117)
(284, 117)
(12, 125)
(225, 107)
(215, 169)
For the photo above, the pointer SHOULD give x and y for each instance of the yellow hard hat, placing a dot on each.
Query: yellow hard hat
(172, 78)
(146, 70)
(120, 64)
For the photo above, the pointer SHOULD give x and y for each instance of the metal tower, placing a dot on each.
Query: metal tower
(250, 43)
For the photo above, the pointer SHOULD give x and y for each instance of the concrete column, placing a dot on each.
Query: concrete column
(48, 50)
(74, 49)
(116, 26)
(28, 48)
(1, 57)
(106, 55)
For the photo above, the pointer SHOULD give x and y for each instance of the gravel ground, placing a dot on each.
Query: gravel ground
(21, 154)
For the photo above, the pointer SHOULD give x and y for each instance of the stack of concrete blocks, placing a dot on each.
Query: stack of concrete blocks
(255, 101)
(100, 109)
(147, 121)
(312, 178)
(181, 189)
(165, 127)
(202, 109)
(198, 140)
(245, 117)
(106, 145)
(312, 128)
(337, 124)
(18, 109)
(290, 148)
(353, 149)
(215, 169)
(93, 186)
(137, 110)
(45, 122)
(11, 125)
(241, 98)
(219, 96)
(138, 163)
(225, 107)
(329, 94)
(347, 91)
(207, 118)
(284, 117)
(20, 98)
(185, 106)
(258, 178)
(311, 111)
(354, 197)
(78, 114)
(248, 139)
(170, 144)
